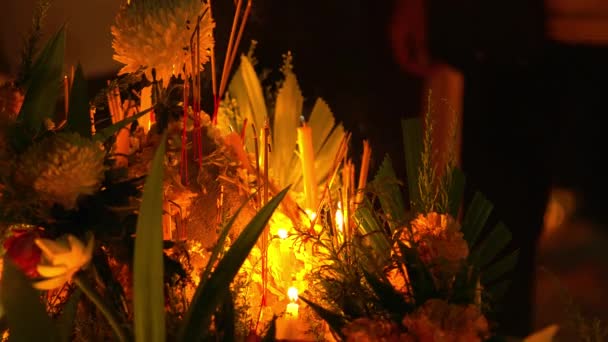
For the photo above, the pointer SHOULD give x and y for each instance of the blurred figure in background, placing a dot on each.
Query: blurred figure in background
(523, 74)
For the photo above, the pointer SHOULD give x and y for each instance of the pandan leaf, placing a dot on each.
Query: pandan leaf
(219, 247)
(494, 243)
(79, 120)
(391, 299)
(43, 89)
(271, 333)
(198, 317)
(465, 286)
(288, 110)
(455, 191)
(500, 268)
(372, 230)
(413, 146)
(388, 191)
(109, 131)
(420, 278)
(26, 317)
(148, 269)
(68, 314)
(474, 220)
(335, 321)
(225, 319)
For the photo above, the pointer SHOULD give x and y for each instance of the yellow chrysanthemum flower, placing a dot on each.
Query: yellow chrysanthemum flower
(155, 34)
(61, 168)
(61, 259)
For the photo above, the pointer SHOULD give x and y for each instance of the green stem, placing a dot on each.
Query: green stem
(99, 303)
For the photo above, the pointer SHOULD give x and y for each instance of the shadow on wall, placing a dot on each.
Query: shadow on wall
(89, 39)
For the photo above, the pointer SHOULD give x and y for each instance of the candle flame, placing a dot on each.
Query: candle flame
(339, 218)
(292, 293)
(282, 233)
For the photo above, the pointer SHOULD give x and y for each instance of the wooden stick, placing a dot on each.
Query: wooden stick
(238, 39)
(230, 43)
(363, 173)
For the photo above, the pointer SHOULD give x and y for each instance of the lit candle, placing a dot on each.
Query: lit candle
(308, 160)
(339, 218)
(292, 307)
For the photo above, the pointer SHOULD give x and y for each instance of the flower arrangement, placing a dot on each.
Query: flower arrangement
(176, 228)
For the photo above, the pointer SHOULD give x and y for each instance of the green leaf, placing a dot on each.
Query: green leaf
(496, 241)
(420, 278)
(477, 214)
(391, 299)
(79, 119)
(271, 333)
(455, 191)
(335, 321)
(387, 188)
(148, 287)
(198, 317)
(109, 131)
(68, 314)
(225, 319)
(43, 88)
(219, 247)
(465, 286)
(371, 228)
(26, 316)
(412, 144)
(499, 268)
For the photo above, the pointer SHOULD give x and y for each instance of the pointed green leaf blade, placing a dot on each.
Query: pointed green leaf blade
(371, 229)
(390, 299)
(475, 219)
(219, 246)
(79, 119)
(496, 241)
(387, 188)
(412, 144)
(198, 317)
(455, 191)
(68, 314)
(148, 286)
(107, 132)
(44, 86)
(335, 321)
(23, 308)
(500, 268)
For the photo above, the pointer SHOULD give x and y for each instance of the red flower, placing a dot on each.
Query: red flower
(23, 252)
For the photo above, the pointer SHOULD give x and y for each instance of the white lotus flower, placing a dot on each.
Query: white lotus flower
(156, 34)
(61, 259)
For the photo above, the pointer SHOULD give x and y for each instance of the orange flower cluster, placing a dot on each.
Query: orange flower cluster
(440, 241)
(437, 320)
